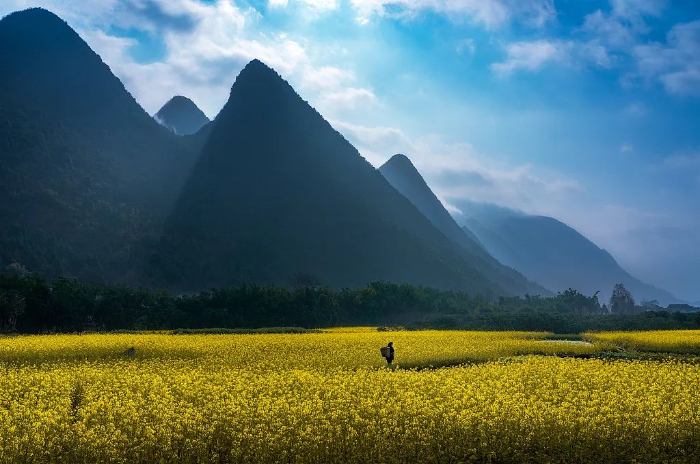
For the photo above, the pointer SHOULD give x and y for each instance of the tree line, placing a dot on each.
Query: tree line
(33, 304)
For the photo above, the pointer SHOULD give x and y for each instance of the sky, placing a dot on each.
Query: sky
(587, 111)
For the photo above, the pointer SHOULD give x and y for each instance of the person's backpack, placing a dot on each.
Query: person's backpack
(386, 351)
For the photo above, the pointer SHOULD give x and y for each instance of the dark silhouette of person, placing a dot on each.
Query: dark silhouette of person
(390, 358)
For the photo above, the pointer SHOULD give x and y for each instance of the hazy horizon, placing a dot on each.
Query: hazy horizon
(586, 113)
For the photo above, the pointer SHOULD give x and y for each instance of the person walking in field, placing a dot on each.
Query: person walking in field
(388, 353)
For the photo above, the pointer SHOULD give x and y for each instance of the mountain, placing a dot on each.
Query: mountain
(405, 178)
(85, 172)
(181, 115)
(550, 252)
(277, 191)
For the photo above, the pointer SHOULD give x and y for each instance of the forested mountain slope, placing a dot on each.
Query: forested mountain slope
(85, 172)
(405, 178)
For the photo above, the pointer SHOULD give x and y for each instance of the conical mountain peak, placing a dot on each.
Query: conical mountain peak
(404, 177)
(180, 100)
(401, 165)
(399, 169)
(257, 86)
(257, 69)
(401, 160)
(277, 190)
(48, 65)
(86, 145)
(181, 115)
(35, 15)
(37, 29)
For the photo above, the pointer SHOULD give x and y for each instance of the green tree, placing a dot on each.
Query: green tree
(621, 301)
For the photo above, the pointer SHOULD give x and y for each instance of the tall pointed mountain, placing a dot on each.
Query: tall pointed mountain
(551, 252)
(277, 191)
(181, 115)
(405, 178)
(48, 67)
(85, 172)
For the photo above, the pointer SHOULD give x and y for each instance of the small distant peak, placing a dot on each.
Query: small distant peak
(400, 158)
(399, 161)
(181, 115)
(180, 101)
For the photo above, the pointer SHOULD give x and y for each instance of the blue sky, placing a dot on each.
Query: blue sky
(587, 111)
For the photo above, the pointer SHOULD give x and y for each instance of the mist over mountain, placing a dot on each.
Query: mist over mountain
(277, 191)
(550, 252)
(181, 115)
(85, 172)
(405, 178)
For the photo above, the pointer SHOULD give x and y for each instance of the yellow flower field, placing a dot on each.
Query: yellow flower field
(328, 397)
(315, 351)
(665, 341)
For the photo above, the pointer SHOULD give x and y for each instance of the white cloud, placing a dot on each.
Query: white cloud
(606, 38)
(457, 170)
(611, 31)
(335, 90)
(466, 46)
(636, 8)
(675, 64)
(593, 53)
(491, 14)
(322, 5)
(203, 58)
(683, 82)
(326, 78)
(277, 3)
(635, 109)
(622, 27)
(613, 40)
(626, 148)
(532, 56)
(348, 99)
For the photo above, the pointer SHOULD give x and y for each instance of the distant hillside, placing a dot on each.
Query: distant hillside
(550, 252)
(85, 172)
(181, 115)
(404, 177)
(277, 191)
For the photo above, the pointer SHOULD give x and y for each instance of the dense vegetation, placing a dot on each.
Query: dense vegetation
(31, 304)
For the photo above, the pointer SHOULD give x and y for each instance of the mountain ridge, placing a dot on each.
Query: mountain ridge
(404, 177)
(302, 201)
(551, 252)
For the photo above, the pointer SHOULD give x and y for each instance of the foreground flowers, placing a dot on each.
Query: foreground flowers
(324, 398)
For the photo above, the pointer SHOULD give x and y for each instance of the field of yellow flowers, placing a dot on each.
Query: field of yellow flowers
(654, 341)
(328, 397)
